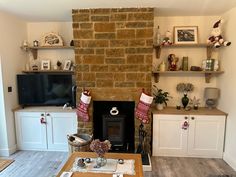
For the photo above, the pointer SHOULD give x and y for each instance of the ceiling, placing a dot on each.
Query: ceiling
(60, 10)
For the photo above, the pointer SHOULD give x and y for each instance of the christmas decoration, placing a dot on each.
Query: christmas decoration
(82, 108)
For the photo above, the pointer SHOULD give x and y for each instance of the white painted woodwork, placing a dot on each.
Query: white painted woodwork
(34, 135)
(203, 138)
(58, 126)
(206, 136)
(31, 134)
(168, 136)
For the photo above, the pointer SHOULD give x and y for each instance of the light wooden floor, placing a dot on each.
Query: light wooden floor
(47, 164)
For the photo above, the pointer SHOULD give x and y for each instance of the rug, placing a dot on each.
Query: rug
(4, 163)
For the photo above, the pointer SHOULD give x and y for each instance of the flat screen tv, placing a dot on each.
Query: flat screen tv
(44, 89)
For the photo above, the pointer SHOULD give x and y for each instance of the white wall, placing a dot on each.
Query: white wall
(13, 32)
(227, 84)
(195, 56)
(64, 29)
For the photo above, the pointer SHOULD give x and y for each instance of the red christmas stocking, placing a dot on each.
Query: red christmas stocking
(82, 108)
(142, 108)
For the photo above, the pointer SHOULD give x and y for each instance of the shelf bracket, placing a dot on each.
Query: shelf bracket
(158, 51)
(34, 53)
(156, 77)
(208, 77)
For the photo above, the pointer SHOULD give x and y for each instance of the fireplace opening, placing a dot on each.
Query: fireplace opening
(116, 126)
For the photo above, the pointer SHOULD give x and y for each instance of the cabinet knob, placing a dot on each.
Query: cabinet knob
(42, 114)
(192, 118)
(42, 121)
(185, 117)
(48, 114)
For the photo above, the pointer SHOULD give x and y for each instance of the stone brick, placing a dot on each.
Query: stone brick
(143, 84)
(83, 11)
(148, 77)
(78, 76)
(136, 25)
(145, 68)
(115, 60)
(104, 27)
(137, 43)
(80, 18)
(100, 51)
(105, 35)
(77, 43)
(144, 50)
(130, 50)
(150, 24)
(120, 25)
(75, 25)
(83, 34)
(124, 84)
(129, 10)
(99, 68)
(119, 17)
(84, 51)
(88, 76)
(105, 75)
(115, 68)
(78, 59)
(135, 76)
(119, 76)
(100, 18)
(93, 59)
(140, 16)
(86, 25)
(82, 68)
(115, 52)
(144, 33)
(74, 11)
(149, 42)
(135, 59)
(100, 11)
(104, 83)
(130, 68)
(148, 59)
(86, 84)
(95, 43)
(125, 34)
(118, 43)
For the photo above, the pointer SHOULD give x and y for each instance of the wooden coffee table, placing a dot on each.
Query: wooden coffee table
(136, 157)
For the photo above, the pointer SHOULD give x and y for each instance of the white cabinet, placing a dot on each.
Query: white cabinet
(44, 130)
(202, 137)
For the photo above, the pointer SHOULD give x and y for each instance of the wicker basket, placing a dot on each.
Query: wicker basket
(80, 147)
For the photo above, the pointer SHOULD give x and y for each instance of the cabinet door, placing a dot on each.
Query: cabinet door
(169, 139)
(30, 132)
(59, 125)
(206, 136)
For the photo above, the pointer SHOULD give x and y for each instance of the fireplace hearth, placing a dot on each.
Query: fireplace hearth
(116, 126)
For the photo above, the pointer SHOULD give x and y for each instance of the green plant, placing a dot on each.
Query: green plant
(160, 96)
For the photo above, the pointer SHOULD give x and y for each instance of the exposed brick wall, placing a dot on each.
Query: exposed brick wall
(113, 53)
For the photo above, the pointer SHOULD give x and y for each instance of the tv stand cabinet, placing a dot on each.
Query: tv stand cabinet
(44, 128)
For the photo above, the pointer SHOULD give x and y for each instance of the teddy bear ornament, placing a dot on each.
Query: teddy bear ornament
(216, 39)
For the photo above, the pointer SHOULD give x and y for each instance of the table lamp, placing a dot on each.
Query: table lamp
(211, 95)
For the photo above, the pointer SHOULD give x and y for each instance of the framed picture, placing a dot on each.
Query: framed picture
(185, 34)
(67, 65)
(51, 39)
(45, 65)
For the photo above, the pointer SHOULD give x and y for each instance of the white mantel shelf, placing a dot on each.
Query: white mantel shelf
(200, 111)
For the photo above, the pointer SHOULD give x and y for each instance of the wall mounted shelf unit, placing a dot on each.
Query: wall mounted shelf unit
(208, 47)
(34, 50)
(208, 74)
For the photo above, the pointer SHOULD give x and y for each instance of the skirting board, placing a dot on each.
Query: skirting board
(148, 167)
(228, 159)
(7, 152)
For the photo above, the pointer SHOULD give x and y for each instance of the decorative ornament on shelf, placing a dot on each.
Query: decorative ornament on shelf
(194, 102)
(184, 88)
(167, 39)
(100, 148)
(173, 60)
(51, 39)
(216, 39)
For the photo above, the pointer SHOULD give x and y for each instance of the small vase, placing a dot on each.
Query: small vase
(159, 106)
(101, 161)
(185, 100)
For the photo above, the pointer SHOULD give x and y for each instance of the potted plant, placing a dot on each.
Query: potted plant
(160, 97)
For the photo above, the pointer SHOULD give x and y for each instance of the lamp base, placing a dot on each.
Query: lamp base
(211, 103)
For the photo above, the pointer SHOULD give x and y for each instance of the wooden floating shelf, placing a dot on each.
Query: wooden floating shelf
(34, 50)
(49, 71)
(209, 48)
(208, 74)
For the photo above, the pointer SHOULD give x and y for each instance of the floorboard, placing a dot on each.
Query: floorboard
(48, 164)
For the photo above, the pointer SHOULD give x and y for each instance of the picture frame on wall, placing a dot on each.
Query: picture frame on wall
(67, 65)
(185, 35)
(45, 65)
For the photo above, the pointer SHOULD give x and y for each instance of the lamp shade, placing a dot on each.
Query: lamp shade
(211, 93)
